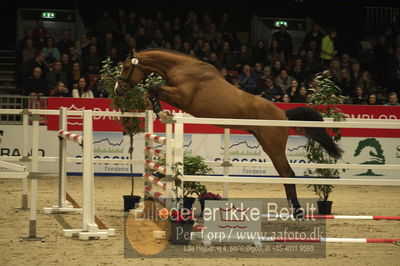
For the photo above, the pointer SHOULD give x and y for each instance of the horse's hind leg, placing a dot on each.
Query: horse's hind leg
(275, 148)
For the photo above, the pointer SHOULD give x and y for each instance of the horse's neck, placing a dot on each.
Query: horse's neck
(158, 62)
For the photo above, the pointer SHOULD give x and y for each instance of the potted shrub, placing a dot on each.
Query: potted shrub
(134, 100)
(324, 99)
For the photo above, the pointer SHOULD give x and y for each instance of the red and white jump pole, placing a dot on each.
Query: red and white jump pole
(332, 217)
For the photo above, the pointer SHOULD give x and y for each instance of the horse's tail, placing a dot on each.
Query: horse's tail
(316, 133)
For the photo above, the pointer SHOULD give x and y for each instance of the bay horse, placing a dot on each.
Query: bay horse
(198, 88)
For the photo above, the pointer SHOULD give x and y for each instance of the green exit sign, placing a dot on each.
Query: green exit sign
(48, 15)
(280, 23)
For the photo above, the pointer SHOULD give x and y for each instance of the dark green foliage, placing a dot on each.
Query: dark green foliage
(324, 99)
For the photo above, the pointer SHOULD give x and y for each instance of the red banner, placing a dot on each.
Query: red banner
(110, 124)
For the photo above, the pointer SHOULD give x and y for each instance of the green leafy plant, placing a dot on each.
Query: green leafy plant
(324, 99)
(133, 100)
(192, 165)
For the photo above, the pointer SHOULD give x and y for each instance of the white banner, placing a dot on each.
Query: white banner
(243, 148)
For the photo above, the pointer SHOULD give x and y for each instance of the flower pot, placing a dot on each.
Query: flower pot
(181, 232)
(324, 207)
(130, 202)
(188, 202)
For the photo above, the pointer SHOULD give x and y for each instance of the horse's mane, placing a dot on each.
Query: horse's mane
(167, 51)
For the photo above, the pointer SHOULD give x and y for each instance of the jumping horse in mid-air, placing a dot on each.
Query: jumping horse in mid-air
(199, 89)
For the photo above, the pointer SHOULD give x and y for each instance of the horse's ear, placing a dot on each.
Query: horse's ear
(133, 53)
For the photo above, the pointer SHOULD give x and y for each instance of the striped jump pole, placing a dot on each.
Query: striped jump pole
(71, 136)
(333, 240)
(155, 152)
(332, 217)
(155, 138)
(155, 166)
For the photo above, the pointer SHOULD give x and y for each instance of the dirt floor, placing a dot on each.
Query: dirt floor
(59, 250)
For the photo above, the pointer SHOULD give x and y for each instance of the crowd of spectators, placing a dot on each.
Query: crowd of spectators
(70, 68)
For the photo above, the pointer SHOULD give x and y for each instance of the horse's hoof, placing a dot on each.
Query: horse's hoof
(298, 214)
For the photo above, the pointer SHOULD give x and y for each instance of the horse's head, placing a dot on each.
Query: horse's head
(131, 74)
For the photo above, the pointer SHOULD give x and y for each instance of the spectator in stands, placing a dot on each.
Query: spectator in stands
(260, 52)
(141, 39)
(360, 96)
(51, 53)
(39, 34)
(301, 96)
(275, 52)
(36, 84)
(344, 82)
(243, 58)
(226, 56)
(297, 71)
(74, 55)
(159, 39)
(106, 45)
(99, 91)
(246, 81)
(267, 73)
(37, 61)
(75, 74)
(60, 90)
(285, 41)
(177, 44)
(355, 72)
(328, 50)
(283, 80)
(56, 75)
(176, 26)
(211, 35)
(168, 32)
(334, 69)
(227, 28)
(293, 90)
(269, 90)
(367, 83)
(311, 65)
(22, 44)
(93, 41)
(213, 60)
(82, 43)
(131, 22)
(114, 56)
(105, 23)
(393, 99)
(28, 52)
(66, 63)
(92, 62)
(83, 90)
(122, 27)
(225, 74)
(65, 42)
(373, 99)
(315, 35)
(345, 60)
(285, 98)
(277, 68)
(257, 71)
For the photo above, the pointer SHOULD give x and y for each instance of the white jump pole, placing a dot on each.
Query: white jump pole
(34, 172)
(178, 152)
(89, 227)
(226, 164)
(63, 204)
(25, 151)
